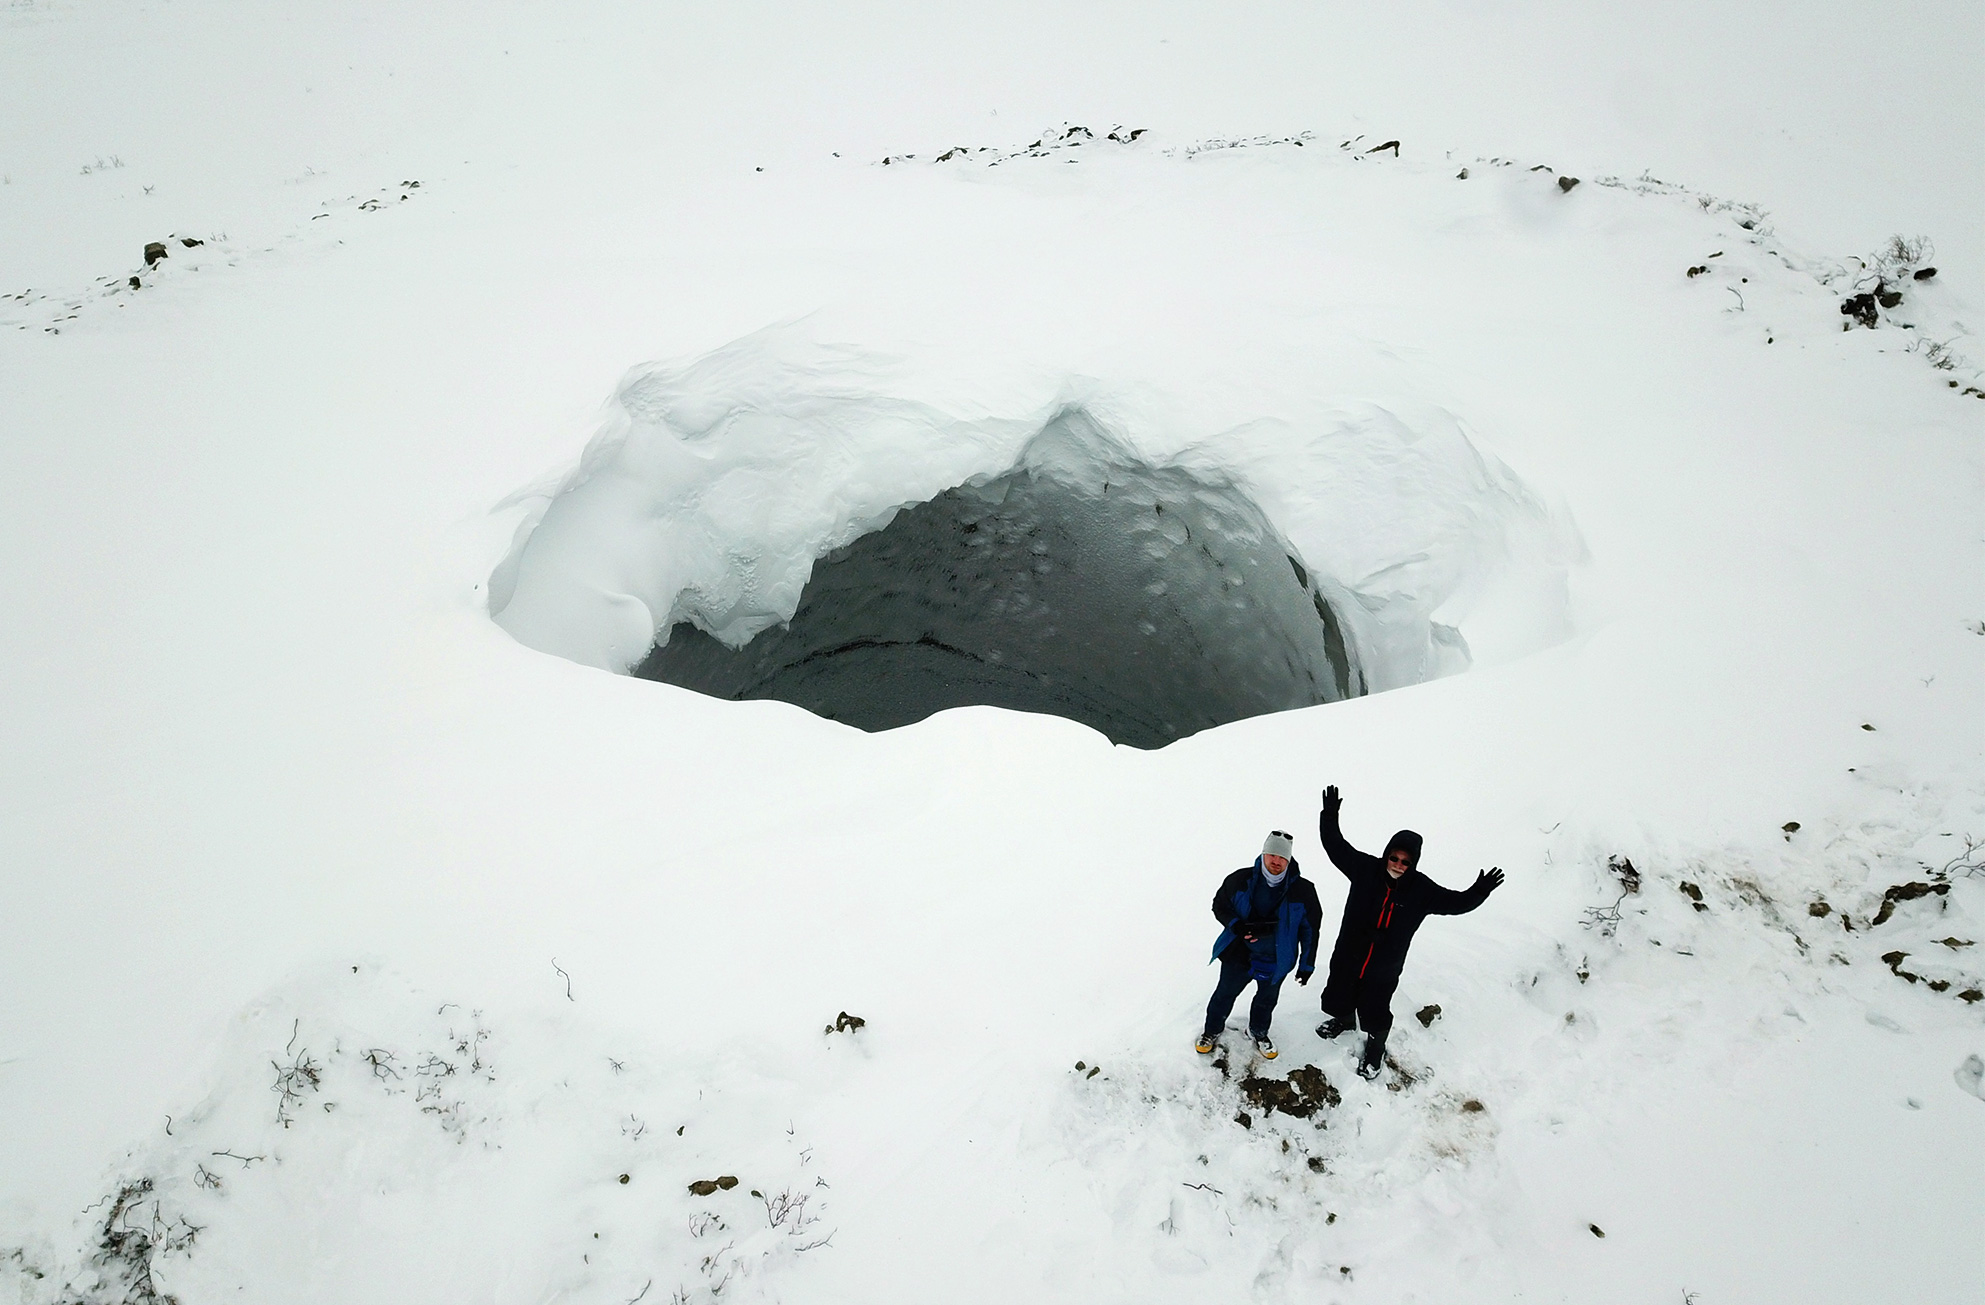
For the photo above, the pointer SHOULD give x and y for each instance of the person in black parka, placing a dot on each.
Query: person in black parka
(1269, 919)
(1388, 899)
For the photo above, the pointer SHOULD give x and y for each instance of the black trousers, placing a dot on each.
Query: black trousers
(1234, 966)
(1369, 999)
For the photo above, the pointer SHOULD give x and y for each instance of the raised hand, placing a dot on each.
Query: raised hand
(1490, 879)
(1333, 801)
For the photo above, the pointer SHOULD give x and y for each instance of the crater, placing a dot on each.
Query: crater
(1146, 601)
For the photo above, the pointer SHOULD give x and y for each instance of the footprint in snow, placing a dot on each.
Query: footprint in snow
(1971, 1076)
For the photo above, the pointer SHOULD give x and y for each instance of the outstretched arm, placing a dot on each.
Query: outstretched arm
(1445, 901)
(1346, 858)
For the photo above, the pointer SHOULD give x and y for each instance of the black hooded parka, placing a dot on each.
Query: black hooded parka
(1380, 916)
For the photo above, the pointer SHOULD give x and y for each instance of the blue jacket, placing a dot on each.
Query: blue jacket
(1296, 919)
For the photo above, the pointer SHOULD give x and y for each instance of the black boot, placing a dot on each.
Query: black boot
(1335, 1026)
(1374, 1058)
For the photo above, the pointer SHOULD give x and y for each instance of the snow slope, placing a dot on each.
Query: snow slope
(278, 793)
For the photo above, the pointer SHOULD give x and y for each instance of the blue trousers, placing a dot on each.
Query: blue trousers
(1234, 976)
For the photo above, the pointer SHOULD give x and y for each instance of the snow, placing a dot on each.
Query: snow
(1716, 559)
(406, 1129)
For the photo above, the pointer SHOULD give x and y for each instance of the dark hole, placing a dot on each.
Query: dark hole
(1146, 602)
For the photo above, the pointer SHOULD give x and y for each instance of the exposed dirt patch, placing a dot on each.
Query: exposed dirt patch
(1302, 1094)
(1906, 893)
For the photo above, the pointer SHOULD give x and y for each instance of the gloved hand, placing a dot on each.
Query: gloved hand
(1303, 976)
(1333, 802)
(1492, 878)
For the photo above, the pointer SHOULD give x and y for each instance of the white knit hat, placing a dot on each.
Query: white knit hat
(1278, 844)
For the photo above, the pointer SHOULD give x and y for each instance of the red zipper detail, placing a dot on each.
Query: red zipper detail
(1384, 918)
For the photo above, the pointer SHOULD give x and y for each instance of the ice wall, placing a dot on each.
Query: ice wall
(1148, 602)
(1370, 545)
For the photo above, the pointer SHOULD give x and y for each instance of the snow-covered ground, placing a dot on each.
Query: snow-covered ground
(357, 949)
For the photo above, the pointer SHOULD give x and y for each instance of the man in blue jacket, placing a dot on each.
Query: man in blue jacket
(1268, 918)
(1389, 898)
